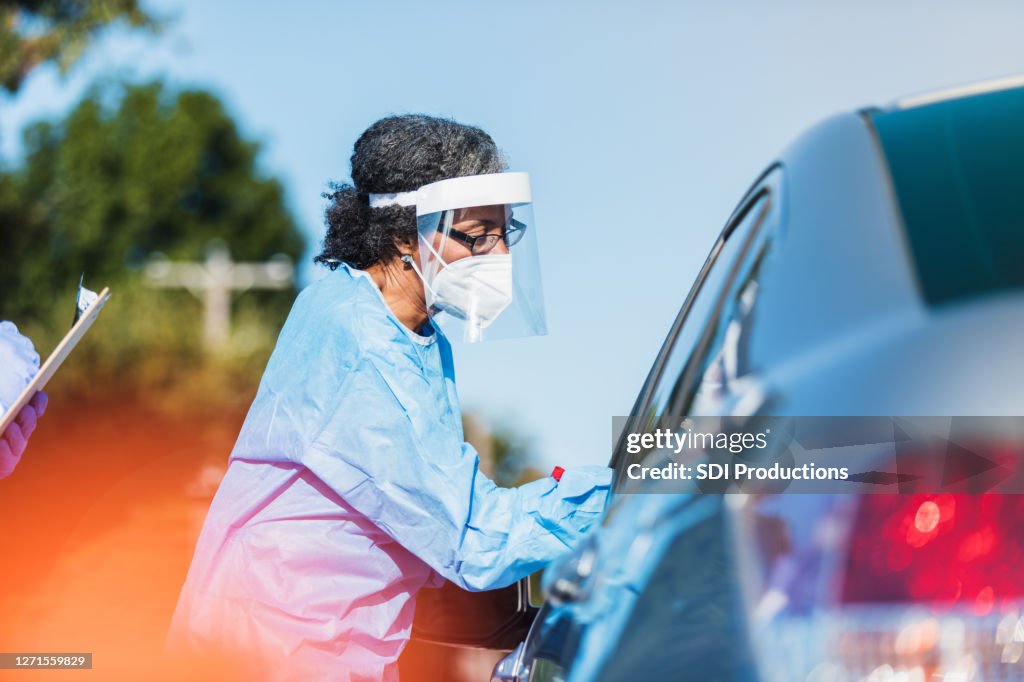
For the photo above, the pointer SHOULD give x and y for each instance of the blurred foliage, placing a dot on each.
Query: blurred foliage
(512, 460)
(132, 170)
(504, 452)
(36, 31)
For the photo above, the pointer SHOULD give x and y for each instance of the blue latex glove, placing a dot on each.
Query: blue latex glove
(14, 440)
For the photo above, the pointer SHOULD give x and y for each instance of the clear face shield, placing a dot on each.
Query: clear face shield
(478, 257)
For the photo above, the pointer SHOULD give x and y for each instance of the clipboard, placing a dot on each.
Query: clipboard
(83, 321)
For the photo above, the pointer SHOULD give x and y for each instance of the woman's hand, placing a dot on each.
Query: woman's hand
(15, 438)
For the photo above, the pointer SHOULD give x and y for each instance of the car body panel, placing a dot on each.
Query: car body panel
(831, 320)
(839, 225)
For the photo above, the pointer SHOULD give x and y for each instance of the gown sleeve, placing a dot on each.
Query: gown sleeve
(19, 363)
(435, 501)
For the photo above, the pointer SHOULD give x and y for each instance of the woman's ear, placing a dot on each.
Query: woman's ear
(406, 253)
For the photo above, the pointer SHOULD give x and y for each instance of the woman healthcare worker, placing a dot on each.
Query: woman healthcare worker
(350, 486)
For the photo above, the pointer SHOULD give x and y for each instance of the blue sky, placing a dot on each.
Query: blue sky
(641, 124)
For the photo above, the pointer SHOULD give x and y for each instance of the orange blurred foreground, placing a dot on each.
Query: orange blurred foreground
(99, 523)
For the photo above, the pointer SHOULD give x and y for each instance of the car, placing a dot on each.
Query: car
(874, 268)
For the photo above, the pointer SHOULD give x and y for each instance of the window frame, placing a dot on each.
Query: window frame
(767, 185)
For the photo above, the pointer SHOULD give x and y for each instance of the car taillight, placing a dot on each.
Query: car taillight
(932, 589)
(942, 551)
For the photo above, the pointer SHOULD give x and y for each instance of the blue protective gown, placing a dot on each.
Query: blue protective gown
(349, 489)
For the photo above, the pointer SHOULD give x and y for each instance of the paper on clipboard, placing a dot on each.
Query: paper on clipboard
(83, 321)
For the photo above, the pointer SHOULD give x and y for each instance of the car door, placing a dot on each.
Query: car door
(703, 344)
(686, 621)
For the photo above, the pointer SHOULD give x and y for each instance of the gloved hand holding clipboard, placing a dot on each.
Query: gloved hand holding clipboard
(87, 308)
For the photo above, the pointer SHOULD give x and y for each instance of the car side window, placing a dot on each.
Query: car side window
(692, 343)
(693, 340)
(721, 370)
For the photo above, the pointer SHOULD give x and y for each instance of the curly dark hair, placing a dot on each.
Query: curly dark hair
(398, 154)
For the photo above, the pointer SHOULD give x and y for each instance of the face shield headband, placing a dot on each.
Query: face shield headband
(478, 255)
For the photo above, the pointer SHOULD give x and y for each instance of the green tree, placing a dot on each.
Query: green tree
(36, 31)
(130, 171)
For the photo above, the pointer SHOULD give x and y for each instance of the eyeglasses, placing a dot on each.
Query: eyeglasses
(483, 243)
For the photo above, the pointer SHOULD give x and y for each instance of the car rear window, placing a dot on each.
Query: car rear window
(957, 168)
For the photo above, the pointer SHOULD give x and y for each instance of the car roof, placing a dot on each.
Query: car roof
(957, 92)
(844, 317)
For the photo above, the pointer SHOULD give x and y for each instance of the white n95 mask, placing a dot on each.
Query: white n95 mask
(475, 289)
